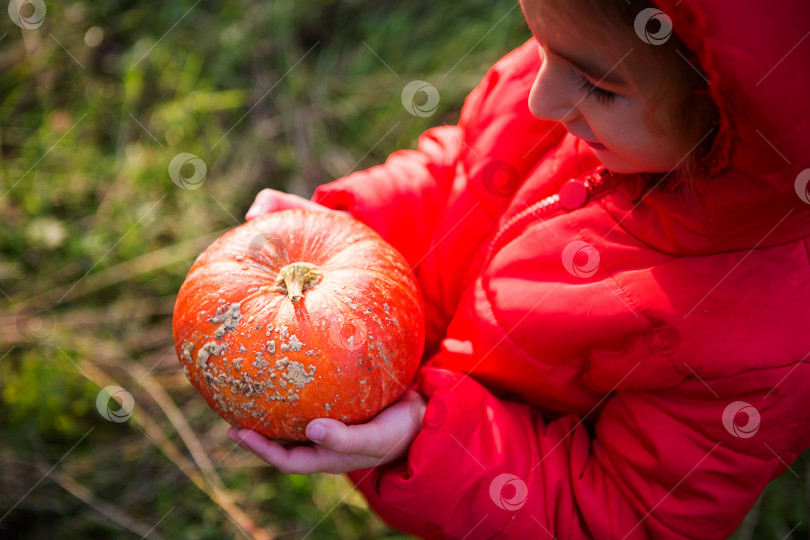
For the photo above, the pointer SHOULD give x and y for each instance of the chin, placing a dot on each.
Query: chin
(614, 163)
(617, 164)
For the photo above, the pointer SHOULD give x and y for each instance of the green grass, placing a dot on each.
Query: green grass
(95, 237)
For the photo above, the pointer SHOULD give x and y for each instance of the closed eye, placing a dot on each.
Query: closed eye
(603, 96)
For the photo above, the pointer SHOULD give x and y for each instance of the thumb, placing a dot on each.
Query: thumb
(339, 437)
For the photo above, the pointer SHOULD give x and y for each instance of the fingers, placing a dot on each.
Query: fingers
(263, 204)
(385, 437)
(270, 451)
(300, 459)
(271, 200)
(339, 437)
(340, 448)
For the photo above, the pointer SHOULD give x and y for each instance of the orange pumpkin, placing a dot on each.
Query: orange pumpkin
(299, 315)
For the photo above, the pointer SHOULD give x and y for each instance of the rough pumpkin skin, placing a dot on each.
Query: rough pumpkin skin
(299, 315)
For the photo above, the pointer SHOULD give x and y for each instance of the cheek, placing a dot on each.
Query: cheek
(622, 127)
(616, 125)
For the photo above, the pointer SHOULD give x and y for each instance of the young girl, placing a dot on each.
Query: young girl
(613, 250)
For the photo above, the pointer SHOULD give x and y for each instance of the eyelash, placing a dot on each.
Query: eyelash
(603, 96)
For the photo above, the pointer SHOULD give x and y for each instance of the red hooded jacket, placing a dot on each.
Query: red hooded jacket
(604, 360)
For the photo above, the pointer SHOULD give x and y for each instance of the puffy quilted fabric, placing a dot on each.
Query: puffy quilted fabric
(586, 356)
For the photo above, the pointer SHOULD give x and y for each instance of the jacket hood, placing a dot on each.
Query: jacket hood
(756, 57)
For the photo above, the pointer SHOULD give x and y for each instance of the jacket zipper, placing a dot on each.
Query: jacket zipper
(596, 184)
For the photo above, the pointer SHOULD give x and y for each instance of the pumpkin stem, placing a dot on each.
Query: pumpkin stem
(297, 277)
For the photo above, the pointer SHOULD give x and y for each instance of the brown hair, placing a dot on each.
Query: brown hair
(681, 85)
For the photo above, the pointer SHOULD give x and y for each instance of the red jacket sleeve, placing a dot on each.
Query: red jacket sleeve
(402, 199)
(663, 464)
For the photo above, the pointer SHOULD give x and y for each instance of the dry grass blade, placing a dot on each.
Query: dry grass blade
(156, 434)
(177, 419)
(106, 509)
(124, 271)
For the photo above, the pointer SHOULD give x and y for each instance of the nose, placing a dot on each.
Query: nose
(551, 93)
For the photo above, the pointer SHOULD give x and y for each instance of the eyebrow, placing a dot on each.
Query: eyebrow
(591, 69)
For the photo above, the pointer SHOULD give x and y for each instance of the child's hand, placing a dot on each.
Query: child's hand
(271, 200)
(343, 448)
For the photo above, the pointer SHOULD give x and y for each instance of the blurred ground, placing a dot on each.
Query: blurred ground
(98, 98)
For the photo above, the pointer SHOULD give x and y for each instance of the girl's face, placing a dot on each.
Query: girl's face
(579, 84)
